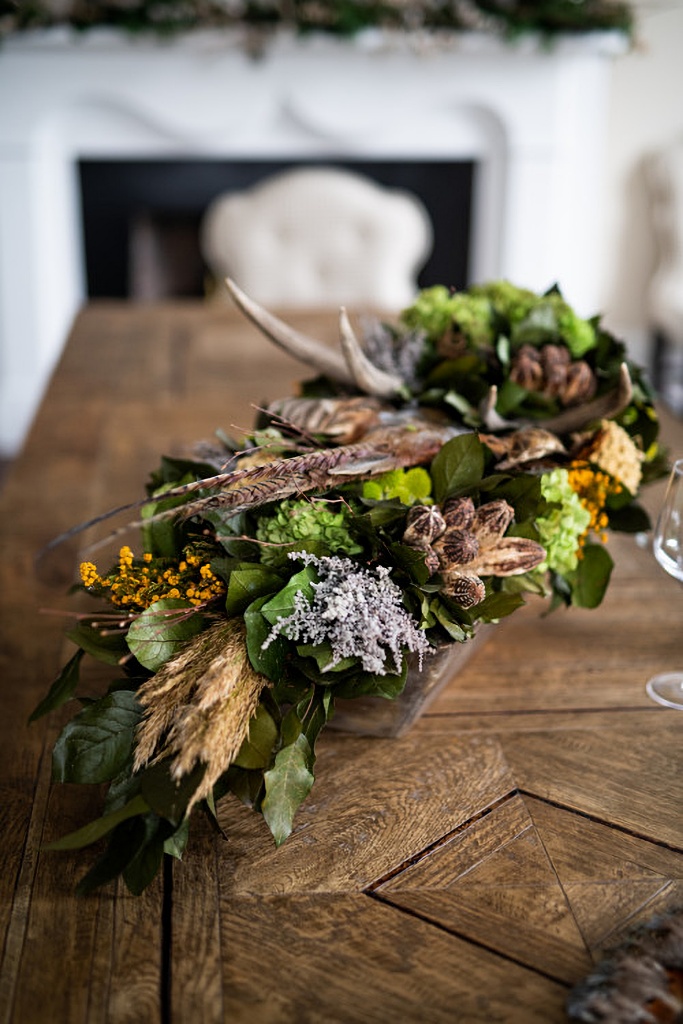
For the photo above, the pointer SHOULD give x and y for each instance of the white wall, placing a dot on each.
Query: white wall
(646, 112)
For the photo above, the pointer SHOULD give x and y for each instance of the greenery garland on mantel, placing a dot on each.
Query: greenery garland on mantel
(506, 18)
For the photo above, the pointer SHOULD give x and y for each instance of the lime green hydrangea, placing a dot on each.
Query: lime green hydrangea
(412, 486)
(436, 310)
(549, 317)
(431, 312)
(561, 529)
(296, 524)
(472, 316)
(510, 302)
(577, 334)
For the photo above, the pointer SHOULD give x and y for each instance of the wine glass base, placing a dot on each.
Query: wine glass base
(667, 689)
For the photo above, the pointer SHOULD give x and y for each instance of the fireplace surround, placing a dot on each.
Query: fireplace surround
(531, 120)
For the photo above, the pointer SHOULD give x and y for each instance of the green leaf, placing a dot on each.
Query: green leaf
(591, 578)
(445, 619)
(246, 785)
(411, 561)
(162, 631)
(372, 684)
(459, 403)
(248, 583)
(122, 788)
(271, 661)
(175, 471)
(257, 749)
(282, 604)
(143, 866)
(323, 655)
(536, 326)
(497, 606)
(163, 538)
(96, 744)
(127, 841)
(458, 467)
(96, 829)
(314, 716)
(109, 649)
(632, 519)
(523, 492)
(62, 689)
(176, 843)
(288, 783)
(165, 796)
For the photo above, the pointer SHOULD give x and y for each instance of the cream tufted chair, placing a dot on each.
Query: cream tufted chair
(665, 295)
(319, 236)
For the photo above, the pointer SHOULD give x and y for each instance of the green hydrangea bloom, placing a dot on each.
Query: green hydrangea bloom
(472, 315)
(436, 310)
(577, 334)
(510, 302)
(431, 312)
(560, 530)
(295, 523)
(410, 486)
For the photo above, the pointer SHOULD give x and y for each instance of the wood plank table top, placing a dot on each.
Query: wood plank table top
(472, 870)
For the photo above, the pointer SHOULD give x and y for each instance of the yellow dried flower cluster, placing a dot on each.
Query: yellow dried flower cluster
(614, 451)
(593, 488)
(135, 584)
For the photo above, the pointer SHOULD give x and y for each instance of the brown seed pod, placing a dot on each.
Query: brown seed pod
(511, 556)
(423, 525)
(492, 519)
(466, 589)
(458, 513)
(581, 384)
(555, 361)
(457, 547)
(526, 369)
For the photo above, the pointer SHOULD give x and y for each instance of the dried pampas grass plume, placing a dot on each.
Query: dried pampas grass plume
(199, 706)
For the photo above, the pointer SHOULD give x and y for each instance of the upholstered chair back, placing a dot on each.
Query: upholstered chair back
(319, 236)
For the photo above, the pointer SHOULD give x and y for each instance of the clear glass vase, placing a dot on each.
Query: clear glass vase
(377, 716)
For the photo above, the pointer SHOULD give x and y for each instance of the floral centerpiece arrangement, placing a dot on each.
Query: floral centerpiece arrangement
(337, 17)
(425, 481)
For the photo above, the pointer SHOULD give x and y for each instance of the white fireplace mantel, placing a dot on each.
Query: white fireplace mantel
(533, 120)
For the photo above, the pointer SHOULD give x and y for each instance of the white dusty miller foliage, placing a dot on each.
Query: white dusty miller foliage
(357, 611)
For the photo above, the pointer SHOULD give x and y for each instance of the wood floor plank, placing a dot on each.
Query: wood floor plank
(628, 776)
(375, 805)
(459, 723)
(196, 993)
(612, 880)
(495, 884)
(347, 959)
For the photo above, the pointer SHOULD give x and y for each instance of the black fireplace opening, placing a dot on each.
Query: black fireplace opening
(140, 218)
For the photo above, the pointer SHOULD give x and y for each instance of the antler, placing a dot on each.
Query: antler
(604, 407)
(297, 344)
(350, 366)
(578, 416)
(367, 376)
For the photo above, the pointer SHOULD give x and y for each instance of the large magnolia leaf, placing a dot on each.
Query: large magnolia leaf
(288, 783)
(458, 467)
(96, 744)
(161, 631)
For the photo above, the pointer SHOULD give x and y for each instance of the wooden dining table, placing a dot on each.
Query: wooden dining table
(474, 869)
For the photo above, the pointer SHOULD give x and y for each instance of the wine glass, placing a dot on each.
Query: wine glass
(667, 545)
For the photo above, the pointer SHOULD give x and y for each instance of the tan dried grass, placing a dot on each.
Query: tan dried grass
(199, 706)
